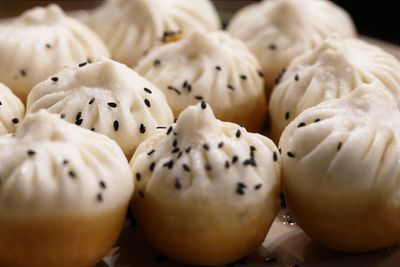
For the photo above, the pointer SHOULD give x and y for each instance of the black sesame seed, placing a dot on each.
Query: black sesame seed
(169, 130)
(221, 144)
(275, 156)
(287, 115)
(227, 164)
(142, 128)
(1, 103)
(62, 116)
(48, 46)
(116, 125)
(147, 90)
(15, 120)
(152, 166)
(178, 184)
(240, 190)
(141, 194)
(238, 133)
(112, 104)
(54, 79)
(218, 68)
(175, 150)
(243, 77)
(207, 167)
(230, 87)
(241, 185)
(187, 150)
(138, 176)
(259, 72)
(185, 83)
(157, 62)
(99, 197)
(296, 77)
(82, 64)
(257, 186)
(161, 127)
(186, 168)
(206, 147)
(147, 103)
(291, 154)
(317, 120)
(199, 97)
(252, 148)
(23, 72)
(31, 153)
(151, 152)
(250, 162)
(102, 184)
(280, 151)
(78, 116)
(174, 89)
(272, 47)
(169, 164)
(92, 129)
(92, 101)
(89, 60)
(339, 146)
(79, 122)
(65, 162)
(203, 105)
(301, 124)
(175, 143)
(71, 174)
(179, 155)
(235, 159)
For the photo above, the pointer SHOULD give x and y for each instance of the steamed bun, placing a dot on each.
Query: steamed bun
(213, 67)
(130, 28)
(11, 110)
(277, 31)
(340, 168)
(39, 43)
(332, 70)
(106, 97)
(64, 192)
(200, 182)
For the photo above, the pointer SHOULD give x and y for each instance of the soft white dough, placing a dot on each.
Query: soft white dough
(277, 31)
(107, 97)
(206, 180)
(130, 28)
(39, 43)
(341, 170)
(332, 70)
(52, 167)
(11, 110)
(208, 66)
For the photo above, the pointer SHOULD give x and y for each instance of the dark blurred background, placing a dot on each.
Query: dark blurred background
(379, 19)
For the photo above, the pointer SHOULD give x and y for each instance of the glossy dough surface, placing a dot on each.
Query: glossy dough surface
(340, 167)
(200, 183)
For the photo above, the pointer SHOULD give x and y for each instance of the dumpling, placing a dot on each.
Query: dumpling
(106, 97)
(340, 170)
(200, 182)
(11, 110)
(277, 31)
(39, 43)
(213, 67)
(64, 192)
(133, 27)
(332, 70)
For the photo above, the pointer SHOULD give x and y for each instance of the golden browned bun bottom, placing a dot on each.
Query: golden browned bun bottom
(252, 119)
(64, 241)
(191, 240)
(355, 227)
